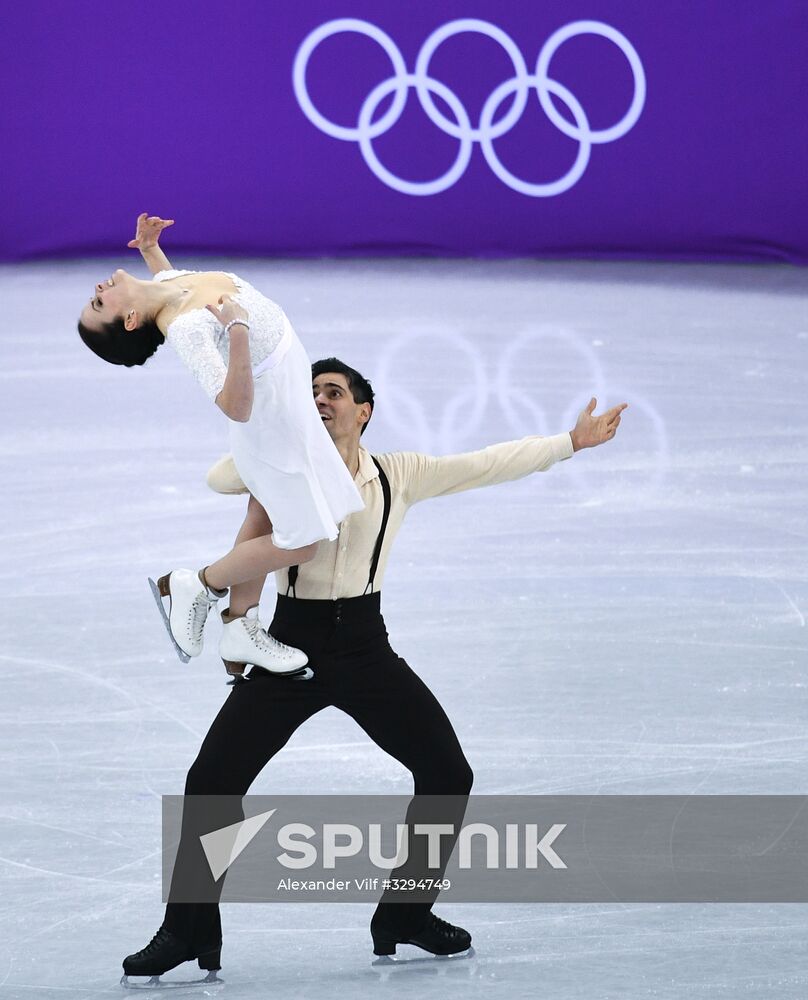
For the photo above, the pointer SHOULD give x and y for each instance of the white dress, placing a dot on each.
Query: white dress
(283, 453)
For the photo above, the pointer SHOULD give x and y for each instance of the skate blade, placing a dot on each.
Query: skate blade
(156, 983)
(304, 674)
(420, 959)
(301, 674)
(184, 657)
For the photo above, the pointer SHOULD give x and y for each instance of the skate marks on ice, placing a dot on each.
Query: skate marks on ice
(680, 605)
(414, 963)
(385, 968)
(139, 703)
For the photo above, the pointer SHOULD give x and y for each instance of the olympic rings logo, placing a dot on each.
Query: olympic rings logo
(487, 130)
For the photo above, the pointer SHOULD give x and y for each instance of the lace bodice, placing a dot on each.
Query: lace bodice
(200, 340)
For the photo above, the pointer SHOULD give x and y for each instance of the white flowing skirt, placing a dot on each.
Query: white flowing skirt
(285, 456)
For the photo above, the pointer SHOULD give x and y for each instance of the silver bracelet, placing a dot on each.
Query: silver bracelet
(236, 322)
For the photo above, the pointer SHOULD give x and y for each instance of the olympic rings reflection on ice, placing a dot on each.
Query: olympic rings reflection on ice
(495, 386)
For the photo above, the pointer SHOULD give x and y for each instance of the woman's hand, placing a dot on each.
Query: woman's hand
(230, 310)
(147, 231)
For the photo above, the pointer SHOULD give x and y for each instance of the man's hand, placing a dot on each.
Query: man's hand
(147, 231)
(590, 431)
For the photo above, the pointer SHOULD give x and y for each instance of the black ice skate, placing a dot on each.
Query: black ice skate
(436, 936)
(164, 952)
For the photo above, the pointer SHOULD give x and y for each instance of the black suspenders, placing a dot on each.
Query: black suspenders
(377, 550)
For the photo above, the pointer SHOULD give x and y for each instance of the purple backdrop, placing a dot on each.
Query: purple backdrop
(190, 110)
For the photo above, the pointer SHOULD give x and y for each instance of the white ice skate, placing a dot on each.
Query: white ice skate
(189, 603)
(245, 642)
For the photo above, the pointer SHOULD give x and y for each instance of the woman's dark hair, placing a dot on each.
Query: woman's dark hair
(361, 389)
(119, 346)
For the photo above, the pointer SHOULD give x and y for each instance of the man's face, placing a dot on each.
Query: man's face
(343, 418)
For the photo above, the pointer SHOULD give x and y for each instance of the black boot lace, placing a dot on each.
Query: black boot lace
(443, 927)
(161, 937)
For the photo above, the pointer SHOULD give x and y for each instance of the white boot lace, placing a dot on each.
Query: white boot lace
(264, 641)
(198, 615)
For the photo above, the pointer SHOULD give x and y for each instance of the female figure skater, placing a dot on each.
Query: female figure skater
(248, 359)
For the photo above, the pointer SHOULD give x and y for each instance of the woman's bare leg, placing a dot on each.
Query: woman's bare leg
(244, 596)
(244, 569)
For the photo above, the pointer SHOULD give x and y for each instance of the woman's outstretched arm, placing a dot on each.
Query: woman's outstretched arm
(147, 240)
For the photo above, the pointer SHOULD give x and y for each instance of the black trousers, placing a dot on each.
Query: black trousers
(355, 670)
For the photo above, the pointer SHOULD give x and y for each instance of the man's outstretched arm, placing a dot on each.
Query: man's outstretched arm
(424, 476)
(429, 476)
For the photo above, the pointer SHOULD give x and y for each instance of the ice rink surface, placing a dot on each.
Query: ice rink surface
(631, 621)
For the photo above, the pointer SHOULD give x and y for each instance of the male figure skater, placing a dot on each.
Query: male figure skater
(330, 608)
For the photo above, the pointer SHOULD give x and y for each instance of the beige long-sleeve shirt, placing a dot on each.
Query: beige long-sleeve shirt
(341, 567)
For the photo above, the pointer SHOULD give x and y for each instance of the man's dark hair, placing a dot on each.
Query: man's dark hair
(119, 346)
(361, 389)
